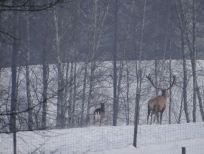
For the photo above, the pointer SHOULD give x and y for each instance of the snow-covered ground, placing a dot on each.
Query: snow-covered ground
(154, 139)
(193, 146)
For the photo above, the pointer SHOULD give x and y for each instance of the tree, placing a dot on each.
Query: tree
(139, 77)
(115, 101)
(182, 28)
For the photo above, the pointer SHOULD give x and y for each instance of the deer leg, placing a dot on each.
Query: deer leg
(151, 116)
(100, 120)
(94, 119)
(161, 117)
(148, 116)
(157, 116)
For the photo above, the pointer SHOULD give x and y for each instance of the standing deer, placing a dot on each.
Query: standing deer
(99, 112)
(157, 104)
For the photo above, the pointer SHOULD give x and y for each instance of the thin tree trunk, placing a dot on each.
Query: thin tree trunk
(180, 110)
(127, 96)
(60, 73)
(90, 91)
(196, 89)
(115, 101)
(74, 94)
(139, 78)
(185, 103)
(137, 102)
(200, 101)
(120, 76)
(28, 91)
(156, 75)
(66, 94)
(182, 26)
(170, 92)
(83, 94)
(14, 95)
(71, 94)
(44, 95)
(13, 108)
(193, 62)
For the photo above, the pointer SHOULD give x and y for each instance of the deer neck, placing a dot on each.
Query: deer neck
(102, 108)
(164, 94)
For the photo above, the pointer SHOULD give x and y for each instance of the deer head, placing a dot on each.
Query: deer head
(163, 90)
(157, 104)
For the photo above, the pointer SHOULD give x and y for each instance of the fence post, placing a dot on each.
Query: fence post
(183, 150)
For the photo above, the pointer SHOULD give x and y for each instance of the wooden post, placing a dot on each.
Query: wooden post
(183, 150)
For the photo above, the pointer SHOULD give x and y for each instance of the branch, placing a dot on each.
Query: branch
(7, 34)
(24, 7)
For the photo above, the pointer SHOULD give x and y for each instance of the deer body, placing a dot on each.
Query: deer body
(157, 104)
(99, 112)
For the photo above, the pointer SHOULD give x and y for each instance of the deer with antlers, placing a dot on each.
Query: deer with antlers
(157, 104)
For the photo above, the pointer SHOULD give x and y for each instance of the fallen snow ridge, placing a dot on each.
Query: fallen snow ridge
(158, 139)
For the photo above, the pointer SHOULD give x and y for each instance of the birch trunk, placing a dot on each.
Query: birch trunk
(60, 73)
(28, 91)
(83, 94)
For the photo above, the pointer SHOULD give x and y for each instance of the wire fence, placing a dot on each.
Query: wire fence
(97, 139)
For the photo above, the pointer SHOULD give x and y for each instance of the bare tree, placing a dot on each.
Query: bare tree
(139, 77)
(15, 50)
(183, 28)
(28, 90)
(45, 75)
(115, 101)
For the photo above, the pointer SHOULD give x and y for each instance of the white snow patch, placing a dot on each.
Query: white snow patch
(159, 138)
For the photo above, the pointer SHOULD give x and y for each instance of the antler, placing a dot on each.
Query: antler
(172, 83)
(150, 79)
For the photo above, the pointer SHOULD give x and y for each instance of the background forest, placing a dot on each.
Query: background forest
(58, 63)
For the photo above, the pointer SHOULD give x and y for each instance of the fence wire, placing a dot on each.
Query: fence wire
(98, 139)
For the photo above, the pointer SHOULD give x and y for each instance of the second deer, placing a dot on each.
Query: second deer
(100, 113)
(157, 104)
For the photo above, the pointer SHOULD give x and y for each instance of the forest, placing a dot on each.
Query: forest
(60, 60)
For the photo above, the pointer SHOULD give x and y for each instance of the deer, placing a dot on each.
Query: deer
(157, 105)
(99, 112)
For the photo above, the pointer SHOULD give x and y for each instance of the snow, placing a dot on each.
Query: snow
(194, 146)
(154, 139)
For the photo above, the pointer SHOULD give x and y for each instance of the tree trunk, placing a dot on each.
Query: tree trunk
(127, 95)
(90, 92)
(14, 61)
(70, 95)
(137, 102)
(156, 75)
(170, 92)
(74, 94)
(120, 76)
(45, 87)
(200, 101)
(28, 91)
(83, 94)
(139, 78)
(193, 62)
(183, 26)
(115, 101)
(60, 72)
(185, 103)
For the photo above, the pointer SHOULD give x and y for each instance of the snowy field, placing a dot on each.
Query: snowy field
(194, 146)
(154, 139)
